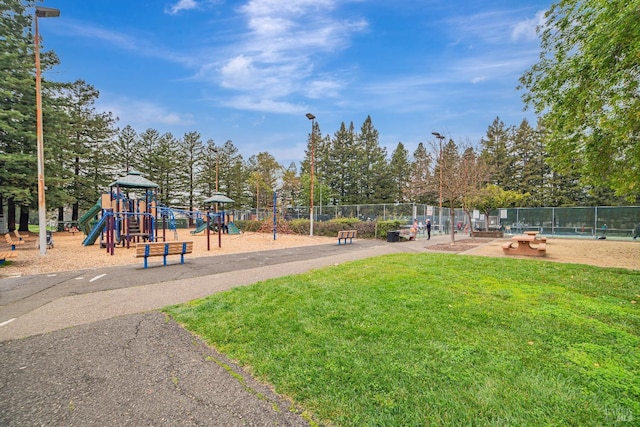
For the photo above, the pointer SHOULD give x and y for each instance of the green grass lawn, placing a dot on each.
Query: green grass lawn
(439, 339)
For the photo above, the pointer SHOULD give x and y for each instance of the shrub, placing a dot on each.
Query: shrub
(385, 226)
(365, 229)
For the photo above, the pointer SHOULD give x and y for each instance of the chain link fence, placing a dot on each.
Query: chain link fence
(618, 221)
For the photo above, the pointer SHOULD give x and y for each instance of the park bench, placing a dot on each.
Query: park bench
(12, 242)
(163, 249)
(346, 234)
(5, 255)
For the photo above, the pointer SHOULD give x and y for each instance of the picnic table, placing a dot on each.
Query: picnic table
(526, 244)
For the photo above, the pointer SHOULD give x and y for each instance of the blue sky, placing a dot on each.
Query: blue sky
(249, 70)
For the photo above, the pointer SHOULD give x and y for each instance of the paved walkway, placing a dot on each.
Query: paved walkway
(81, 351)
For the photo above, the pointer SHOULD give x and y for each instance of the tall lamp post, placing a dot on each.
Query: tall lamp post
(313, 155)
(440, 138)
(41, 12)
(217, 151)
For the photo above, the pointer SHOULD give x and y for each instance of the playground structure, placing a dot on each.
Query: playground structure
(130, 213)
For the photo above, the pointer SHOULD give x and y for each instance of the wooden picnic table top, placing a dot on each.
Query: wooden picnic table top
(524, 238)
(531, 233)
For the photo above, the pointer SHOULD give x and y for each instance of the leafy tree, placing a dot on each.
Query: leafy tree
(266, 175)
(586, 88)
(449, 162)
(291, 186)
(472, 175)
(492, 197)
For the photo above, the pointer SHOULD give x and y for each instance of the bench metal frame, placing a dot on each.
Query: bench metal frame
(163, 249)
(346, 234)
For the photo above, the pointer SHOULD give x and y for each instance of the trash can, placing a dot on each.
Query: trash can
(393, 236)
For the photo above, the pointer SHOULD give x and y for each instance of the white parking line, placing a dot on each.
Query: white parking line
(7, 322)
(97, 277)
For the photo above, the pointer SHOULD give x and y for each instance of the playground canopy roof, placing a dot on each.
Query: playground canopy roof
(133, 180)
(219, 198)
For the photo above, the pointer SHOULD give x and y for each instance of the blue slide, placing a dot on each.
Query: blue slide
(199, 228)
(95, 232)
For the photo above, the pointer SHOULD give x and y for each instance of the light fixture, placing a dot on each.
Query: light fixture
(41, 12)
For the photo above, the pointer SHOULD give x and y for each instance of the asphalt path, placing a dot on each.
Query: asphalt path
(90, 348)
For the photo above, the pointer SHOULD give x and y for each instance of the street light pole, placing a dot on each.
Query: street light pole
(313, 155)
(41, 12)
(440, 138)
(215, 150)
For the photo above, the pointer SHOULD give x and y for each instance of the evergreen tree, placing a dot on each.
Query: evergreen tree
(420, 177)
(208, 178)
(18, 167)
(149, 141)
(88, 135)
(233, 175)
(191, 151)
(530, 170)
(497, 154)
(399, 173)
(372, 180)
(167, 163)
(318, 147)
(125, 149)
(340, 167)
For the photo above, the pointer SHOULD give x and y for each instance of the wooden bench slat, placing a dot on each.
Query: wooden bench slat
(346, 234)
(12, 242)
(8, 254)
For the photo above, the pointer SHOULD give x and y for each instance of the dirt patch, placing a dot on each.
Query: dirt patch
(601, 253)
(69, 254)
(459, 246)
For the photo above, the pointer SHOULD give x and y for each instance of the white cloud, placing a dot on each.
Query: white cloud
(134, 43)
(275, 57)
(142, 114)
(290, 7)
(252, 103)
(238, 72)
(96, 33)
(526, 29)
(324, 88)
(180, 6)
